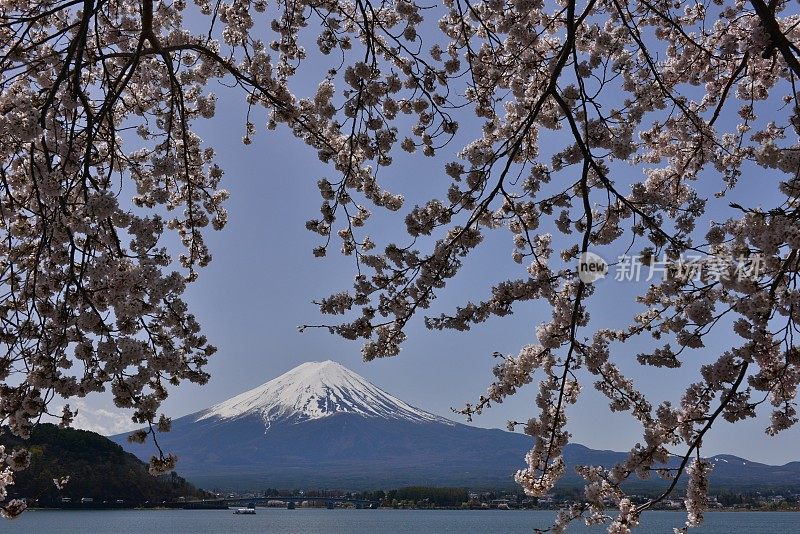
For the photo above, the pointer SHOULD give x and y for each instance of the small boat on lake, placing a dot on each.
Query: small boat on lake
(245, 511)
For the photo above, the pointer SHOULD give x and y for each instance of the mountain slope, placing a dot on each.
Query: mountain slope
(321, 425)
(342, 451)
(729, 473)
(97, 467)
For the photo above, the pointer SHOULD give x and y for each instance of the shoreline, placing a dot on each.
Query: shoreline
(385, 508)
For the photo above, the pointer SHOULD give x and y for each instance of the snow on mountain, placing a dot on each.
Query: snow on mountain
(315, 390)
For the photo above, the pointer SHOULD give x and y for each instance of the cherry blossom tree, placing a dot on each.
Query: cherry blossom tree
(650, 100)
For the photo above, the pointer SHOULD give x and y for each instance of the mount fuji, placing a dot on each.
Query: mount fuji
(321, 425)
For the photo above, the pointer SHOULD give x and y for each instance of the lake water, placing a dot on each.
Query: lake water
(307, 521)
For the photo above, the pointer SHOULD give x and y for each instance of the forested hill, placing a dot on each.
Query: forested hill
(98, 468)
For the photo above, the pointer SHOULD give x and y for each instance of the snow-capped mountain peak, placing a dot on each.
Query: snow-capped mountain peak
(314, 390)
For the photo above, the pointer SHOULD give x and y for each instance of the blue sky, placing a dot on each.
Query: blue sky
(263, 278)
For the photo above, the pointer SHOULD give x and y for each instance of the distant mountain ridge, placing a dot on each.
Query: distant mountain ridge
(321, 425)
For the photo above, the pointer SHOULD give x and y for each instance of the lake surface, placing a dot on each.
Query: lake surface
(306, 521)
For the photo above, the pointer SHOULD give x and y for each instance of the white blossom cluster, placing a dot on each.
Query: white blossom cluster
(697, 491)
(17, 460)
